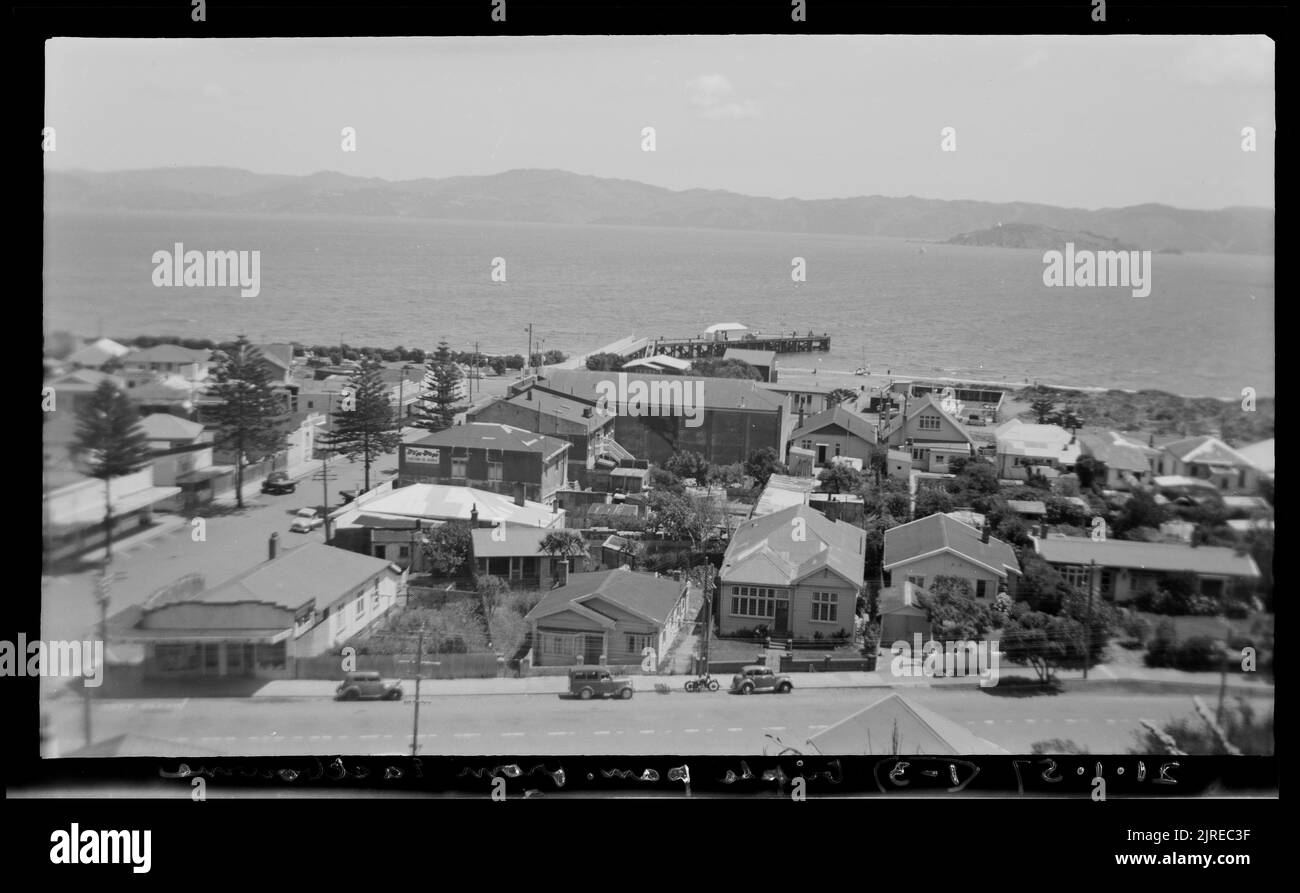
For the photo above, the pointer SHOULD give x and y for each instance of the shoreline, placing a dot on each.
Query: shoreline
(874, 380)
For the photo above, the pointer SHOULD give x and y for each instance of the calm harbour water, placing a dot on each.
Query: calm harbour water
(1207, 328)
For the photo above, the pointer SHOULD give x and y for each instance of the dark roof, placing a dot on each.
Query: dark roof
(488, 435)
(850, 421)
(939, 532)
(718, 393)
(644, 594)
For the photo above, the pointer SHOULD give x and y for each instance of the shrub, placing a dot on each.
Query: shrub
(1137, 628)
(1160, 651)
(1236, 610)
(1198, 654)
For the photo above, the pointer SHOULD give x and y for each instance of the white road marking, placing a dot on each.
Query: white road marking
(647, 731)
(512, 734)
(559, 733)
(691, 731)
(371, 737)
(774, 728)
(459, 735)
(735, 730)
(600, 733)
(1030, 721)
(1110, 722)
(988, 722)
(811, 727)
(1071, 720)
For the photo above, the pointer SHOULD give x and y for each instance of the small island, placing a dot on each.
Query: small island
(1036, 235)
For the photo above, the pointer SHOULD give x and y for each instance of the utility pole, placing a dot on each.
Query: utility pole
(419, 664)
(708, 611)
(103, 589)
(1087, 631)
(528, 363)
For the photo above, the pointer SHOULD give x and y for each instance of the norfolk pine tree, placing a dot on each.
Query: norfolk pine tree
(249, 417)
(365, 426)
(438, 404)
(113, 444)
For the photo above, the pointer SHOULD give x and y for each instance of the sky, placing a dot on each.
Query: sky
(1087, 122)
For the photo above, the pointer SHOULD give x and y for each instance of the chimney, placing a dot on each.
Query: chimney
(984, 537)
(272, 546)
(473, 515)
(1042, 530)
(528, 394)
(519, 493)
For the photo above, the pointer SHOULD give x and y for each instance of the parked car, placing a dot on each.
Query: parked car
(758, 678)
(598, 682)
(306, 521)
(279, 482)
(369, 685)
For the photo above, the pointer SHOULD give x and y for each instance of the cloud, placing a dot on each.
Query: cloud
(712, 96)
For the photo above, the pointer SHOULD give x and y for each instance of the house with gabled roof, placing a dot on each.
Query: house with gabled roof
(96, 354)
(1026, 449)
(170, 359)
(794, 571)
(1128, 462)
(939, 545)
(607, 617)
(837, 431)
(1261, 455)
(1210, 459)
(930, 433)
(298, 604)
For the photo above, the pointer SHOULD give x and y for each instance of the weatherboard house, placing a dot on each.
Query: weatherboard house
(608, 617)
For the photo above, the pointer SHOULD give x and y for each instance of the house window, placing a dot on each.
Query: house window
(981, 588)
(928, 423)
(459, 468)
(636, 643)
(1076, 575)
(553, 644)
(359, 606)
(1107, 582)
(940, 459)
(374, 601)
(837, 449)
(806, 444)
(495, 471)
(825, 607)
(918, 582)
(753, 601)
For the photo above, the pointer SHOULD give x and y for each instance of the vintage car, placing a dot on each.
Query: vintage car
(759, 678)
(598, 682)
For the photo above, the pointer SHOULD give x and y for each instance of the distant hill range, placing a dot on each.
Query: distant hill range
(1035, 235)
(552, 196)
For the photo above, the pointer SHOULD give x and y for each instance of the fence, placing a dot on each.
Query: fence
(448, 666)
(436, 596)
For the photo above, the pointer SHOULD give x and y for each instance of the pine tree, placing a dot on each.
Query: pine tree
(112, 443)
(364, 425)
(249, 419)
(439, 401)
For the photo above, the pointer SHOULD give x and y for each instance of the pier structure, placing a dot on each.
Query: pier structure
(696, 348)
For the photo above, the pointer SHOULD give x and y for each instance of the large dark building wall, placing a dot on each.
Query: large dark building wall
(724, 438)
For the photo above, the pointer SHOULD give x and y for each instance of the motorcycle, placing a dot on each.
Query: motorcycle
(705, 682)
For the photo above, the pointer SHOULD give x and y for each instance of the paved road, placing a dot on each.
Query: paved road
(715, 723)
(235, 541)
